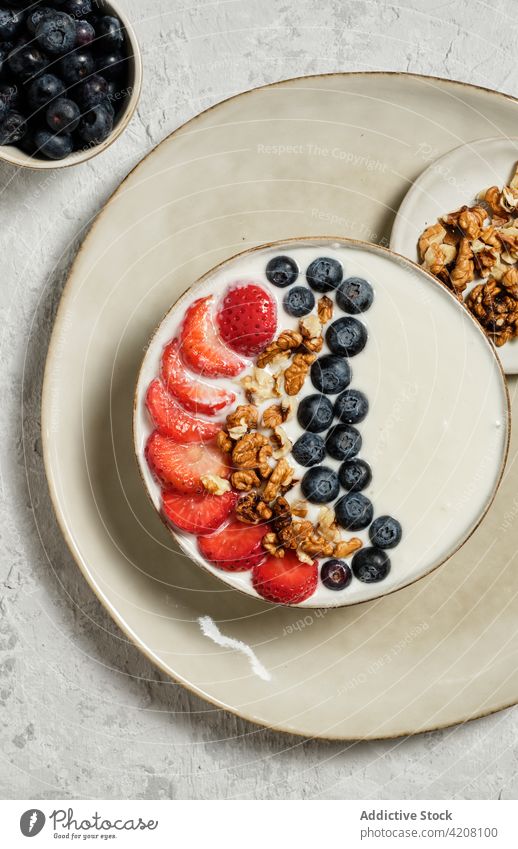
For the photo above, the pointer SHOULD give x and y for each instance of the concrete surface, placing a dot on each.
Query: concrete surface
(82, 713)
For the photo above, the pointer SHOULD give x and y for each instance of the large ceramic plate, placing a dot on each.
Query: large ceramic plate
(333, 154)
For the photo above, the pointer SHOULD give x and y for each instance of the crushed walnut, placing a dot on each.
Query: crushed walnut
(215, 485)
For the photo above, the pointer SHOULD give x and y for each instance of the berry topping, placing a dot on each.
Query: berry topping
(343, 442)
(315, 413)
(53, 146)
(189, 391)
(199, 513)
(355, 475)
(236, 547)
(200, 346)
(56, 33)
(330, 374)
(336, 575)
(44, 90)
(75, 67)
(282, 271)
(371, 565)
(320, 485)
(96, 125)
(346, 336)
(309, 449)
(285, 580)
(173, 421)
(182, 466)
(324, 274)
(63, 115)
(385, 532)
(351, 406)
(299, 301)
(354, 295)
(247, 319)
(354, 511)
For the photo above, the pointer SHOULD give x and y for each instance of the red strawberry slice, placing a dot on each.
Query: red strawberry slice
(197, 514)
(247, 318)
(236, 547)
(189, 391)
(171, 420)
(285, 580)
(182, 466)
(201, 348)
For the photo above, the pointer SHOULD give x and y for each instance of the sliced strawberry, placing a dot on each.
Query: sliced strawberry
(172, 420)
(285, 580)
(197, 514)
(182, 466)
(201, 348)
(247, 318)
(189, 391)
(236, 547)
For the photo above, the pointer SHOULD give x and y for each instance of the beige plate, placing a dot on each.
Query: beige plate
(333, 154)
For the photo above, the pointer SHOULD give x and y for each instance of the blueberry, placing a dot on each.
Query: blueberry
(371, 565)
(354, 295)
(76, 66)
(309, 449)
(110, 33)
(43, 90)
(9, 95)
(111, 65)
(93, 92)
(336, 575)
(10, 23)
(354, 511)
(330, 374)
(355, 475)
(299, 301)
(13, 128)
(63, 115)
(324, 274)
(351, 406)
(385, 532)
(53, 146)
(96, 125)
(346, 336)
(78, 8)
(282, 271)
(320, 485)
(35, 16)
(85, 33)
(56, 33)
(26, 61)
(315, 413)
(343, 442)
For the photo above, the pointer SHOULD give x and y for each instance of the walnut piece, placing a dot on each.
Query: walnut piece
(281, 513)
(280, 480)
(215, 485)
(433, 235)
(272, 416)
(496, 309)
(282, 441)
(300, 508)
(344, 548)
(326, 524)
(325, 309)
(281, 347)
(252, 510)
(245, 480)
(246, 452)
(272, 544)
(245, 414)
(296, 373)
(468, 219)
(259, 385)
(464, 270)
(438, 257)
(224, 442)
(311, 330)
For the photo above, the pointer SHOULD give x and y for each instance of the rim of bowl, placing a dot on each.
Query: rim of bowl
(15, 156)
(138, 399)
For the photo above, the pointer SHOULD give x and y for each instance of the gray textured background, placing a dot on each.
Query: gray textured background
(82, 713)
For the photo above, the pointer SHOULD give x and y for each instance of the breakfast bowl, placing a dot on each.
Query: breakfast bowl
(319, 422)
(70, 82)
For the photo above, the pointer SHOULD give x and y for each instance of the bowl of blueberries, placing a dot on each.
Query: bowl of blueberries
(70, 80)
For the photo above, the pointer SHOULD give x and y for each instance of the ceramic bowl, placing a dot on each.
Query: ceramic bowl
(15, 156)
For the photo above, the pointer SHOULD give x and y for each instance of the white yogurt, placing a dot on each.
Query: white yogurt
(437, 431)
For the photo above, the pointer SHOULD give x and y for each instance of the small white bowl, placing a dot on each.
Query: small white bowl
(448, 183)
(15, 156)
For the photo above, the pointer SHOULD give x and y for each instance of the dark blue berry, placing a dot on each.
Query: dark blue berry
(354, 295)
(9, 95)
(56, 33)
(371, 565)
(282, 271)
(36, 16)
(110, 33)
(85, 33)
(43, 90)
(330, 374)
(63, 115)
(324, 274)
(346, 336)
(385, 532)
(320, 485)
(299, 301)
(354, 511)
(96, 125)
(78, 8)
(53, 146)
(10, 23)
(351, 406)
(343, 442)
(355, 475)
(26, 61)
(77, 66)
(93, 92)
(112, 66)
(315, 413)
(13, 128)
(309, 449)
(336, 575)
